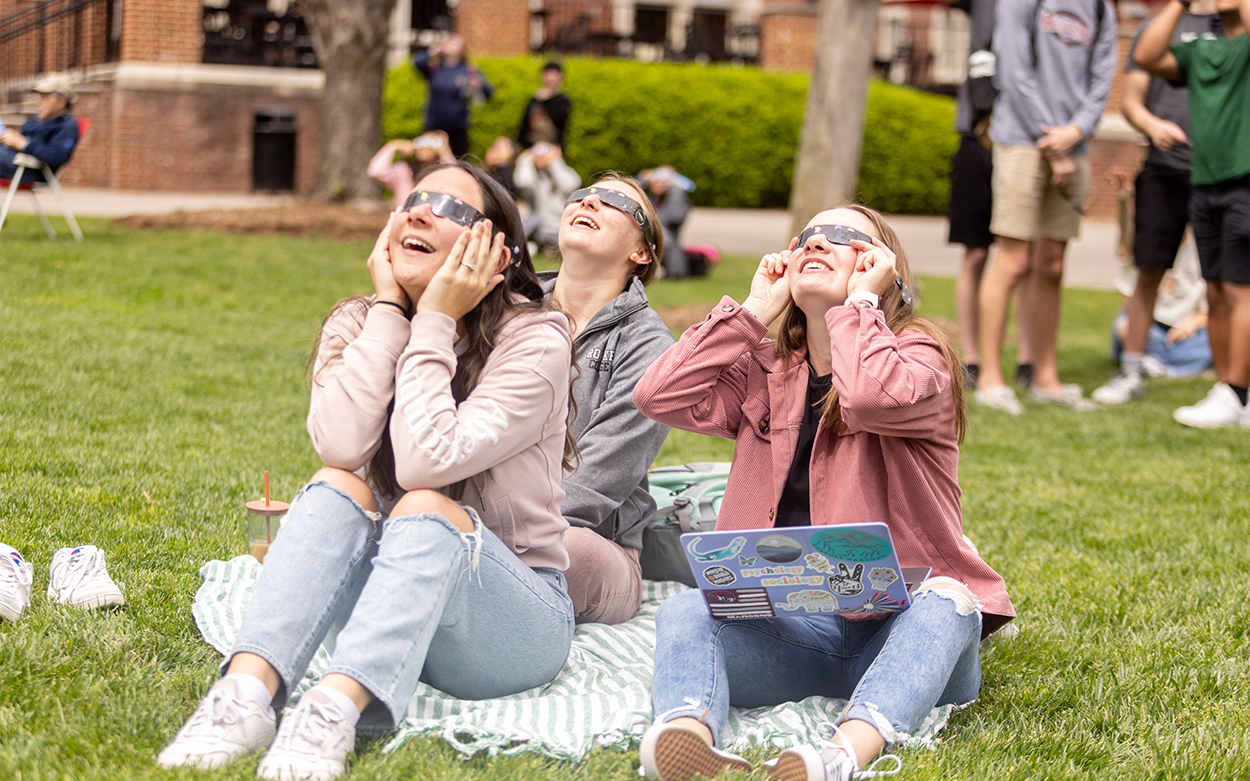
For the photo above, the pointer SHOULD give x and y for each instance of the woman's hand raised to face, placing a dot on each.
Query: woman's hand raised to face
(874, 268)
(770, 290)
(472, 269)
(381, 269)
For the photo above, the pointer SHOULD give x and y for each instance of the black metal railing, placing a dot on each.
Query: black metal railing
(57, 35)
(248, 32)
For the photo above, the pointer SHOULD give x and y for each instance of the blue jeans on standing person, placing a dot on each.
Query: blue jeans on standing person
(893, 671)
(400, 600)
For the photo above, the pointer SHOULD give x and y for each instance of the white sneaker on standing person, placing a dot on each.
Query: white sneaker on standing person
(15, 576)
(79, 578)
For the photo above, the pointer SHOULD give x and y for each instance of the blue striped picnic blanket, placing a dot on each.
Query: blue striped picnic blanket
(602, 698)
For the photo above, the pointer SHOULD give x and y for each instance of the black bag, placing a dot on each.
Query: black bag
(689, 496)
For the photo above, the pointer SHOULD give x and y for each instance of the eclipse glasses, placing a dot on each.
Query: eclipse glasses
(451, 208)
(840, 234)
(620, 202)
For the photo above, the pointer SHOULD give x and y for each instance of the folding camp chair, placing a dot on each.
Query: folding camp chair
(25, 161)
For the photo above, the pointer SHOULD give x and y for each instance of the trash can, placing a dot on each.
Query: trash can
(273, 150)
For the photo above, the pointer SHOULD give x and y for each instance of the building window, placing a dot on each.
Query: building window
(257, 32)
(431, 15)
(707, 34)
(650, 24)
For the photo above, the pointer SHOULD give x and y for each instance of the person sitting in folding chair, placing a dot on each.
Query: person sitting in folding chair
(49, 135)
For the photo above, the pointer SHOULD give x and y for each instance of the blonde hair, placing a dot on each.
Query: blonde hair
(900, 315)
(644, 272)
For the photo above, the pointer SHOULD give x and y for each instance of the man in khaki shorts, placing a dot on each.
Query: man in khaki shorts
(1056, 60)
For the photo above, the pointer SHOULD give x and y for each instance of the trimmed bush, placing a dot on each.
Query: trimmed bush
(734, 131)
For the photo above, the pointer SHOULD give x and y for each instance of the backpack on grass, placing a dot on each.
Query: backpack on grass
(688, 499)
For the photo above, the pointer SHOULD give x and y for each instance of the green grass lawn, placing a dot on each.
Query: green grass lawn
(148, 379)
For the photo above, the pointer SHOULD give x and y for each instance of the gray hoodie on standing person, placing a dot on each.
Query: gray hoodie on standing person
(1055, 66)
(617, 443)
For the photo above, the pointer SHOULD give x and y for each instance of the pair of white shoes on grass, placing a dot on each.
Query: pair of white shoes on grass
(232, 721)
(670, 752)
(77, 578)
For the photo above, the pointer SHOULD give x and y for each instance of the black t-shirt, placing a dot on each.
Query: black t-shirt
(795, 507)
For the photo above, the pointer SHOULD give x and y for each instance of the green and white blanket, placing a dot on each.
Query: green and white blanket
(602, 698)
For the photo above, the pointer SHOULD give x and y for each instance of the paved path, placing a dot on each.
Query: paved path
(1091, 263)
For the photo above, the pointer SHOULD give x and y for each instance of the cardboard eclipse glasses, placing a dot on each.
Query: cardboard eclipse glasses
(451, 208)
(840, 234)
(620, 202)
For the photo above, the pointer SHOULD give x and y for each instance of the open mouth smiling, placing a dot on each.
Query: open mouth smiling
(585, 222)
(814, 265)
(414, 244)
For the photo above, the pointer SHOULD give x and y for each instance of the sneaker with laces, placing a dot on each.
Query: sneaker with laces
(1220, 409)
(670, 752)
(1121, 389)
(223, 728)
(16, 574)
(1001, 398)
(79, 578)
(312, 742)
(833, 762)
(1069, 396)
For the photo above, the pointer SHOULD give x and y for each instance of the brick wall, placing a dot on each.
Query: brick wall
(494, 27)
(788, 37)
(162, 31)
(196, 139)
(67, 42)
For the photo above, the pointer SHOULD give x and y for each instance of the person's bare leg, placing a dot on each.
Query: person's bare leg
(864, 740)
(1045, 289)
(967, 287)
(1238, 298)
(1219, 328)
(1002, 276)
(1024, 349)
(1140, 308)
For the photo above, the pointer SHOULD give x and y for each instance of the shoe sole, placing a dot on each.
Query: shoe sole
(1205, 424)
(680, 755)
(797, 765)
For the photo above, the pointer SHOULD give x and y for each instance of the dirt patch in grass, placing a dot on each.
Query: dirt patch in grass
(335, 221)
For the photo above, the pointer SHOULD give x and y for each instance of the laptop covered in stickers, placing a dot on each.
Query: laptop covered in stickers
(848, 569)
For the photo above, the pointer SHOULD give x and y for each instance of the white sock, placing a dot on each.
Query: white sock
(343, 701)
(251, 689)
(1130, 363)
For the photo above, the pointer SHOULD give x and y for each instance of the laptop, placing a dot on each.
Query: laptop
(847, 569)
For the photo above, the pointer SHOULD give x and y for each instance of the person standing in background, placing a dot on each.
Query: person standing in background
(547, 114)
(1161, 196)
(453, 82)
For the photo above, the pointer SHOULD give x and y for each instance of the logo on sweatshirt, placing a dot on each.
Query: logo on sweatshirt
(599, 359)
(1070, 29)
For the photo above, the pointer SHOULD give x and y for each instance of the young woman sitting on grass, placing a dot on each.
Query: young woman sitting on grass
(610, 244)
(854, 414)
(449, 391)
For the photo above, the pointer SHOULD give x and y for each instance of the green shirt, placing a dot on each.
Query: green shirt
(1218, 74)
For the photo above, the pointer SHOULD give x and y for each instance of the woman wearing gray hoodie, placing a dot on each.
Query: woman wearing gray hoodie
(611, 242)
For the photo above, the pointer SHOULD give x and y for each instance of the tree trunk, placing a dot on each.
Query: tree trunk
(350, 39)
(826, 172)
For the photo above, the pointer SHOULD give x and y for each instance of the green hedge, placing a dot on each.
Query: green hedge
(734, 131)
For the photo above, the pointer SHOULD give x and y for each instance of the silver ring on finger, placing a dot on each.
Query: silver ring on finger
(469, 266)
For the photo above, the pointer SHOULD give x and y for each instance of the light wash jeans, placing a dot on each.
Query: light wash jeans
(892, 670)
(406, 599)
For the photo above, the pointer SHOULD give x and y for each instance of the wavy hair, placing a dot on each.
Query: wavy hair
(899, 316)
(519, 292)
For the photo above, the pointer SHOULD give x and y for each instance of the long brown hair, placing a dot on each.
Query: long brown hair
(520, 292)
(899, 316)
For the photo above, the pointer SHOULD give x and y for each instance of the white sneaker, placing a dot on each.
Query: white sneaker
(312, 742)
(670, 752)
(15, 577)
(1068, 396)
(79, 578)
(1120, 389)
(222, 729)
(1220, 409)
(834, 762)
(1001, 398)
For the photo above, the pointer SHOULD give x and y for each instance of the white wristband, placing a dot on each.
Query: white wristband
(863, 295)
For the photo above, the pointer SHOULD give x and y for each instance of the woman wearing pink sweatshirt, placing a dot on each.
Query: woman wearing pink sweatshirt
(855, 413)
(448, 391)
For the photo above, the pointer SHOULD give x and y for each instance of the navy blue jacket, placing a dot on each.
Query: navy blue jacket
(52, 142)
(448, 92)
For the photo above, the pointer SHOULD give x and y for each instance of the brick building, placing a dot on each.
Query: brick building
(179, 91)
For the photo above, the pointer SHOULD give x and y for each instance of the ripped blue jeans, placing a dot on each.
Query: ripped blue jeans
(401, 600)
(893, 671)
